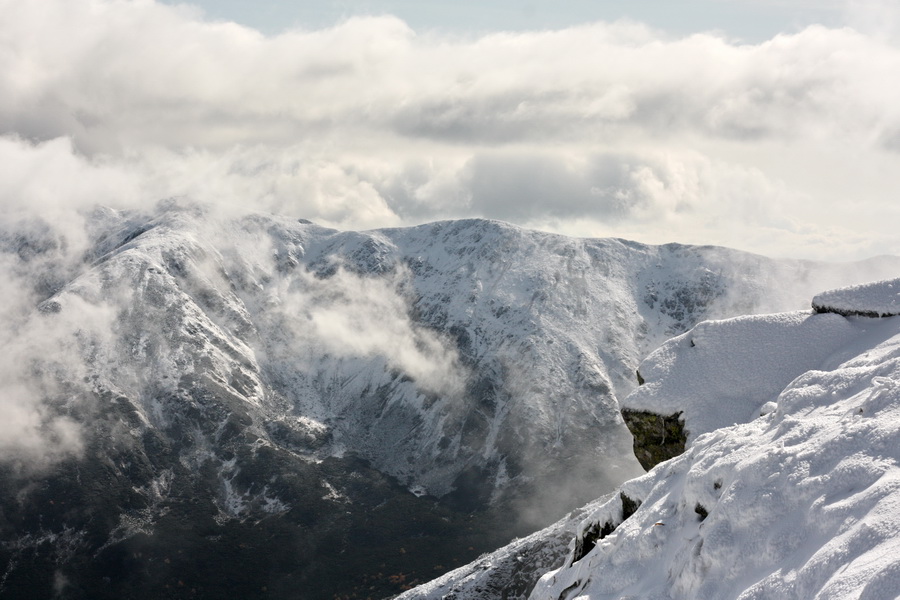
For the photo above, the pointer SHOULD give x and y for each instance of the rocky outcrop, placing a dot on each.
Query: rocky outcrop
(656, 437)
(595, 531)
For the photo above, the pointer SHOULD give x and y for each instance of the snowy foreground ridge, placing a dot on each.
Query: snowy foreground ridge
(802, 501)
(789, 487)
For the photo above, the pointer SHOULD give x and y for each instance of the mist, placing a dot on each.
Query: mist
(49, 350)
(347, 315)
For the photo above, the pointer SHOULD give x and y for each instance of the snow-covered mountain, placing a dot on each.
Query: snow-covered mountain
(789, 487)
(370, 408)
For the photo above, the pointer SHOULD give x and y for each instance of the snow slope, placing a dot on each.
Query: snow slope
(509, 572)
(801, 502)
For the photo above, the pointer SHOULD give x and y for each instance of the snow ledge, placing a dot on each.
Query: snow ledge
(879, 299)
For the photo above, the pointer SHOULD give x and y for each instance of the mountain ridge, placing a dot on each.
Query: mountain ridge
(255, 377)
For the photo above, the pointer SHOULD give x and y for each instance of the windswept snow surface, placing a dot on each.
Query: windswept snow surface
(802, 502)
(881, 299)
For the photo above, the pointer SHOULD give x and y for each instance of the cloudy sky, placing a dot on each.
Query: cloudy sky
(766, 125)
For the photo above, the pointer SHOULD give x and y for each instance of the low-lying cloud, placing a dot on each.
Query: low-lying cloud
(351, 316)
(47, 355)
(348, 302)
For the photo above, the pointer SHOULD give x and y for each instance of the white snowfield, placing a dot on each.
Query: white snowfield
(800, 502)
(880, 299)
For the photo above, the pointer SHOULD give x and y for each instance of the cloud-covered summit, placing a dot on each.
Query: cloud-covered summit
(785, 147)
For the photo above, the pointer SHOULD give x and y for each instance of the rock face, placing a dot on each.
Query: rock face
(657, 438)
(336, 412)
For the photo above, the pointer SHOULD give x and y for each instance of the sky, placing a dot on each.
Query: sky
(769, 126)
(749, 20)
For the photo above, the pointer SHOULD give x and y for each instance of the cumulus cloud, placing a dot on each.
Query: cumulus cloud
(129, 73)
(601, 129)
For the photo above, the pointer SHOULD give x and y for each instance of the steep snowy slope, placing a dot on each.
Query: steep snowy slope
(372, 408)
(801, 502)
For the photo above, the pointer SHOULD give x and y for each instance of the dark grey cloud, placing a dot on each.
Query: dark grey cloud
(534, 186)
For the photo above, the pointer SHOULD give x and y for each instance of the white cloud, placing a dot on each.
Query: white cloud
(604, 128)
(117, 74)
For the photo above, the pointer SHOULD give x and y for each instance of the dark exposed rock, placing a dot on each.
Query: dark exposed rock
(853, 312)
(657, 438)
(701, 511)
(596, 532)
(629, 506)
